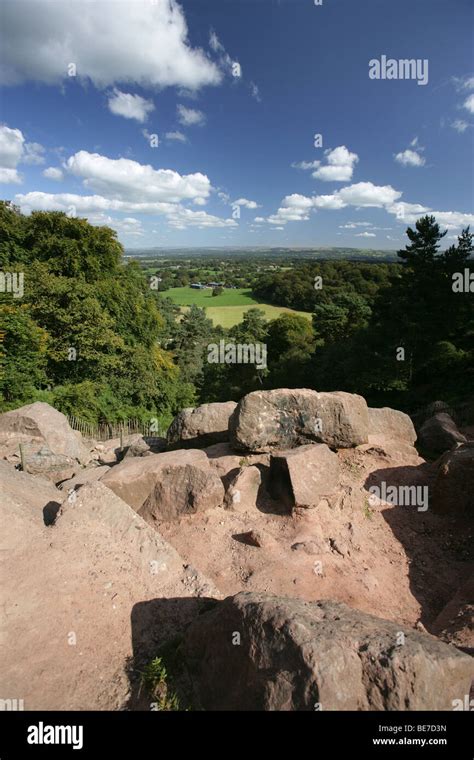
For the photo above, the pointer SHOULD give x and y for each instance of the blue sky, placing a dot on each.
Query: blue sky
(236, 162)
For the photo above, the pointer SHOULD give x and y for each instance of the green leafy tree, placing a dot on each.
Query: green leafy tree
(23, 355)
(290, 343)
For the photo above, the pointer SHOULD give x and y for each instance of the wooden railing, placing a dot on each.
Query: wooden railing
(106, 430)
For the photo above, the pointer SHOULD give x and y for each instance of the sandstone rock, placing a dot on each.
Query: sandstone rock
(144, 446)
(111, 451)
(224, 461)
(453, 489)
(100, 573)
(439, 434)
(98, 509)
(253, 538)
(284, 418)
(40, 422)
(133, 480)
(297, 655)
(182, 489)
(54, 467)
(243, 491)
(164, 486)
(455, 622)
(301, 477)
(391, 424)
(89, 475)
(312, 547)
(31, 498)
(202, 426)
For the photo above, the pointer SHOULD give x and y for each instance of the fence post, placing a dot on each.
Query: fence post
(22, 457)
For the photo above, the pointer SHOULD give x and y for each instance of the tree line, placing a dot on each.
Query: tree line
(93, 339)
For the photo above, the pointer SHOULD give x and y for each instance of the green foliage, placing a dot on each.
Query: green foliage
(23, 355)
(88, 335)
(94, 339)
(193, 335)
(416, 311)
(290, 344)
(71, 246)
(166, 680)
(156, 680)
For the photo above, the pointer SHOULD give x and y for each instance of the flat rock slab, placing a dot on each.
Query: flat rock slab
(301, 477)
(286, 418)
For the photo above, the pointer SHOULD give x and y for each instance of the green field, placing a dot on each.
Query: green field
(227, 309)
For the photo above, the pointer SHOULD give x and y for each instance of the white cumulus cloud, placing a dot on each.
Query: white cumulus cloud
(109, 42)
(339, 167)
(177, 136)
(124, 179)
(11, 152)
(246, 203)
(410, 158)
(130, 106)
(469, 103)
(190, 117)
(53, 172)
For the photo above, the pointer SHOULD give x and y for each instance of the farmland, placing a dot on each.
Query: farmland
(228, 308)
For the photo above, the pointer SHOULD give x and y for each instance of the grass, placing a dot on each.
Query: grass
(156, 680)
(229, 308)
(188, 296)
(368, 512)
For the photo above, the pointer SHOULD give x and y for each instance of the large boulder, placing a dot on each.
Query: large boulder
(182, 490)
(88, 475)
(453, 488)
(41, 423)
(143, 447)
(31, 499)
(391, 424)
(224, 461)
(202, 426)
(54, 467)
(440, 434)
(285, 418)
(88, 602)
(455, 622)
(301, 477)
(162, 486)
(254, 651)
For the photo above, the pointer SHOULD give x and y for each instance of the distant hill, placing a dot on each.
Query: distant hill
(316, 253)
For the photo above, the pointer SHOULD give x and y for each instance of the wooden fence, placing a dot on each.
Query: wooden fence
(462, 414)
(107, 430)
